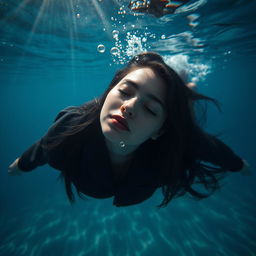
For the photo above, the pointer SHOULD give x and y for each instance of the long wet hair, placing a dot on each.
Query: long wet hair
(179, 168)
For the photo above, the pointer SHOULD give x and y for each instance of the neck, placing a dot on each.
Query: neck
(120, 154)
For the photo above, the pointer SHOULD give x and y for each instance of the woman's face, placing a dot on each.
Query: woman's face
(137, 101)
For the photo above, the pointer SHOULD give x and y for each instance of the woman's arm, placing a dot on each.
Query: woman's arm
(213, 150)
(33, 157)
(36, 155)
(14, 169)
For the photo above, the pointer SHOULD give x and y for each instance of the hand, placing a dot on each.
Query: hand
(191, 85)
(14, 169)
(245, 171)
(184, 74)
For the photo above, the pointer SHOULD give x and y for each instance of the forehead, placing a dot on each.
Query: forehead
(147, 81)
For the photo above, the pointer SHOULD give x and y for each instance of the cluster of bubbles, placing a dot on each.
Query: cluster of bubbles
(114, 50)
(121, 11)
(188, 71)
(132, 41)
(136, 43)
(120, 52)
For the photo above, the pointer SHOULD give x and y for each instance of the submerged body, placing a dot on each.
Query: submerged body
(140, 135)
(128, 187)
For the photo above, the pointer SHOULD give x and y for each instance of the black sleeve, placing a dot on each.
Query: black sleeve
(214, 151)
(36, 155)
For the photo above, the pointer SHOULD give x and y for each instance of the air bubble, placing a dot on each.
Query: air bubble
(101, 48)
(135, 45)
(137, 58)
(115, 34)
(114, 51)
(122, 144)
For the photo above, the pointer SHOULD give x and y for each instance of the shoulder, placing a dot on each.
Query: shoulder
(68, 112)
(68, 121)
(71, 112)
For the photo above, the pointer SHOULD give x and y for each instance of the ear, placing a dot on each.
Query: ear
(157, 135)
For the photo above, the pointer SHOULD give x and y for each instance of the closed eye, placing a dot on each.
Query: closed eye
(128, 94)
(150, 111)
(123, 92)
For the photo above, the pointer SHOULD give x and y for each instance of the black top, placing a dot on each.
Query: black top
(93, 175)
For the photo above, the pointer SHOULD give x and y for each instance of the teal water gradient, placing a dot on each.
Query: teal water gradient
(35, 216)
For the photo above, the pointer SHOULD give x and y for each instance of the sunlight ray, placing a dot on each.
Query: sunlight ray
(37, 20)
(102, 17)
(17, 9)
(72, 35)
(117, 3)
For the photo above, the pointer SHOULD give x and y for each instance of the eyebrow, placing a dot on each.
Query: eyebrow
(151, 96)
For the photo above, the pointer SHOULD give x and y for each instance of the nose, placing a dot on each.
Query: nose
(128, 108)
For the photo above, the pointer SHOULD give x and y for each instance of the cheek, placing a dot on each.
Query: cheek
(107, 104)
(112, 100)
(152, 125)
(147, 125)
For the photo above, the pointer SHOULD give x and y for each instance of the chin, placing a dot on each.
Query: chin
(111, 135)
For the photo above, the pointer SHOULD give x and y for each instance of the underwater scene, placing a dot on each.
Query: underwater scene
(55, 54)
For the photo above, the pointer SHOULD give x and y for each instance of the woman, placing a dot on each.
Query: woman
(140, 135)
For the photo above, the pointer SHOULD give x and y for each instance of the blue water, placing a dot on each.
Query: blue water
(49, 60)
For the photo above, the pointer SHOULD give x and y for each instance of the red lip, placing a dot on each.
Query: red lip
(121, 120)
